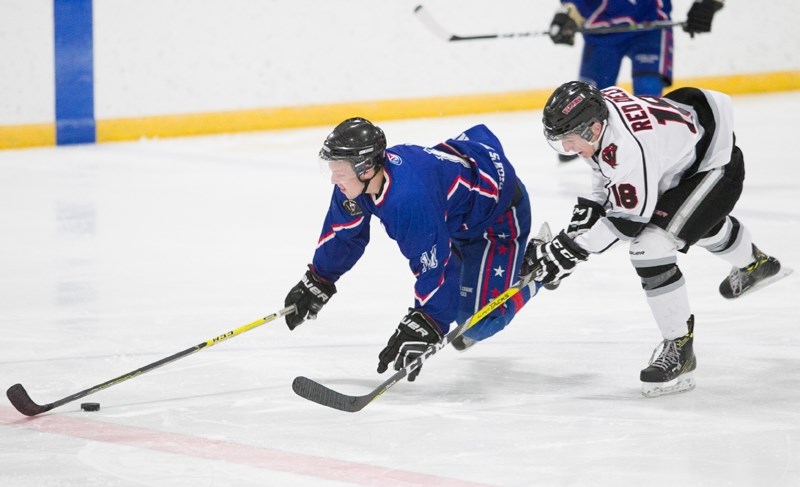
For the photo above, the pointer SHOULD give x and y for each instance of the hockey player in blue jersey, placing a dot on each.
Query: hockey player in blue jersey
(457, 211)
(650, 52)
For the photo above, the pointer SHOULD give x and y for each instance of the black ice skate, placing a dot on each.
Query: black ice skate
(671, 371)
(762, 271)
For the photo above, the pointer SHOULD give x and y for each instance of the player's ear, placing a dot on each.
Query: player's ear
(597, 127)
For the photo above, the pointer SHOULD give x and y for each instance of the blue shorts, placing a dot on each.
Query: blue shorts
(650, 53)
(490, 265)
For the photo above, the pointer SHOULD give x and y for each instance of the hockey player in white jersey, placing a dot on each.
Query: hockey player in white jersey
(666, 175)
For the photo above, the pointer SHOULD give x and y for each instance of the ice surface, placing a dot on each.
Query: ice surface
(114, 256)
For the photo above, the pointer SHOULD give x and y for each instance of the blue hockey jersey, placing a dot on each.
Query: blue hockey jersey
(603, 13)
(433, 200)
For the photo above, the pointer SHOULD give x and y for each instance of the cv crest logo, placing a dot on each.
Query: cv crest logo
(352, 207)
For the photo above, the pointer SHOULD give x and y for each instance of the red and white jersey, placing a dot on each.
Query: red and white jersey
(649, 145)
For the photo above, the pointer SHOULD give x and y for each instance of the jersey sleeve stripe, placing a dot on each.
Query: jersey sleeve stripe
(338, 228)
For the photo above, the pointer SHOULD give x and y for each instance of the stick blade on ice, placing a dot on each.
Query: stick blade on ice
(22, 401)
(316, 392)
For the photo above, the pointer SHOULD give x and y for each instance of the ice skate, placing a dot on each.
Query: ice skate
(762, 271)
(671, 371)
(462, 343)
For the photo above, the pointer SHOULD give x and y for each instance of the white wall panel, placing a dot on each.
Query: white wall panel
(156, 57)
(27, 93)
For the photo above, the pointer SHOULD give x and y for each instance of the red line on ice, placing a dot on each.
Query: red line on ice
(226, 451)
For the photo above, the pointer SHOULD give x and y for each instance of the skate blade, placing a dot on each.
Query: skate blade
(784, 272)
(682, 383)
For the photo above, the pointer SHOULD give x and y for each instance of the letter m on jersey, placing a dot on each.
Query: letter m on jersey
(429, 260)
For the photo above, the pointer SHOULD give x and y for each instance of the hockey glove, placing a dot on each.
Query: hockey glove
(414, 334)
(584, 216)
(552, 261)
(565, 24)
(700, 15)
(308, 296)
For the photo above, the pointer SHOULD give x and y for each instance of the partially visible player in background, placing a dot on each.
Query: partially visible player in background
(650, 52)
(457, 211)
(666, 175)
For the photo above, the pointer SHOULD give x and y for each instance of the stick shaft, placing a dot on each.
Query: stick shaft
(19, 397)
(436, 28)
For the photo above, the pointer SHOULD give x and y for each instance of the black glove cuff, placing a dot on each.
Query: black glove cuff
(419, 325)
(571, 246)
(593, 205)
(326, 289)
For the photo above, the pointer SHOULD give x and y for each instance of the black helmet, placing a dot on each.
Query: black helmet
(357, 141)
(573, 107)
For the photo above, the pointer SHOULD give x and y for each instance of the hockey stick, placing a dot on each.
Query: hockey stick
(22, 401)
(320, 394)
(437, 29)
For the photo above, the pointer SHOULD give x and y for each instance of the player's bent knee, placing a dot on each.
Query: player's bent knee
(654, 256)
(654, 246)
(659, 277)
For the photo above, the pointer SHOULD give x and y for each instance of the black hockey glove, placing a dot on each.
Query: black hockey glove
(308, 296)
(414, 334)
(565, 24)
(552, 261)
(700, 15)
(584, 216)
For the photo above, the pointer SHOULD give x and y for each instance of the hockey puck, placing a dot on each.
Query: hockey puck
(90, 406)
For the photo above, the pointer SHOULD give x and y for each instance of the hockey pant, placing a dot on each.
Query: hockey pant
(696, 212)
(650, 53)
(490, 265)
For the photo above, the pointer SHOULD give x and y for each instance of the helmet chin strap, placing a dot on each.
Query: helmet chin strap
(366, 183)
(375, 170)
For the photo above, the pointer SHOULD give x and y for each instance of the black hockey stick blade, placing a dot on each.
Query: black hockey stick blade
(22, 401)
(318, 393)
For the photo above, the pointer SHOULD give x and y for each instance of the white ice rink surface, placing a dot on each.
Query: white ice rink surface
(114, 256)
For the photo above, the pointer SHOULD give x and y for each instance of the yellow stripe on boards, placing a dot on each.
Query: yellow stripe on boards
(34, 135)
(122, 129)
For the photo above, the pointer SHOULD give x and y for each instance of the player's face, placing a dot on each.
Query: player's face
(575, 144)
(344, 177)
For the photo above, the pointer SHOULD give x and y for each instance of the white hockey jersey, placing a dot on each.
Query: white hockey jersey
(648, 146)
